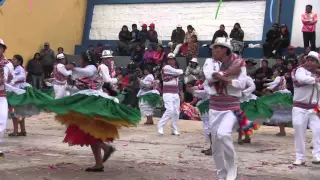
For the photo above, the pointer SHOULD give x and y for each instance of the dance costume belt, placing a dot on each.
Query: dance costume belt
(304, 106)
(224, 103)
(170, 89)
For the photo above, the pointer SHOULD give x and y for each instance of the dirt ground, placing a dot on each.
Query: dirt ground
(143, 155)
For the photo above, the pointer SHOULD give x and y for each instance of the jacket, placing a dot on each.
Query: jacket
(177, 37)
(153, 36)
(217, 34)
(47, 57)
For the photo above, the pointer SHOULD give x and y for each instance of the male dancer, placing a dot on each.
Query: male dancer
(3, 99)
(226, 81)
(305, 101)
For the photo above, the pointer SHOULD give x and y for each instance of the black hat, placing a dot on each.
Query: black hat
(251, 61)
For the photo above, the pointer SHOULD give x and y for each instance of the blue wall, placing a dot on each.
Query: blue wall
(286, 15)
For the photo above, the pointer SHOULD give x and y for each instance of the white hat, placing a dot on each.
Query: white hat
(195, 60)
(314, 55)
(179, 26)
(2, 43)
(107, 54)
(171, 56)
(222, 41)
(60, 56)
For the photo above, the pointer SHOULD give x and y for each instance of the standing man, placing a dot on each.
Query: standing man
(48, 58)
(309, 21)
(3, 99)
(177, 38)
(226, 77)
(305, 101)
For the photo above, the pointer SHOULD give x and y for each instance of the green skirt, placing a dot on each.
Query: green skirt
(152, 99)
(256, 109)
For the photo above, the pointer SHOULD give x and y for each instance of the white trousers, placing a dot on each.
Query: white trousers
(221, 124)
(176, 49)
(172, 105)
(60, 91)
(301, 119)
(3, 116)
(205, 121)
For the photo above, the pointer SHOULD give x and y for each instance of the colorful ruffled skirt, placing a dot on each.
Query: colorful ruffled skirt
(148, 102)
(92, 116)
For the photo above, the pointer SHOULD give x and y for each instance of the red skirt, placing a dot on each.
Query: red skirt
(75, 136)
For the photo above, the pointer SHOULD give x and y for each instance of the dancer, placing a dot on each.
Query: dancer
(148, 96)
(282, 112)
(306, 103)
(225, 91)
(60, 75)
(91, 104)
(106, 72)
(171, 74)
(3, 99)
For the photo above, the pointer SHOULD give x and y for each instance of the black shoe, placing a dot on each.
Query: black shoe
(107, 155)
(95, 169)
(1, 154)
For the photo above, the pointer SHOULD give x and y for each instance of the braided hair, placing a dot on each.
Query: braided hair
(89, 57)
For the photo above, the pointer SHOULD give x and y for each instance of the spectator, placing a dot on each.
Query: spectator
(177, 38)
(91, 49)
(47, 58)
(187, 38)
(99, 52)
(135, 35)
(159, 56)
(61, 51)
(124, 39)
(309, 21)
(152, 36)
(193, 72)
(262, 74)
(304, 55)
(220, 33)
(288, 77)
(35, 70)
(192, 48)
(137, 55)
(148, 55)
(282, 42)
(272, 35)
(251, 68)
(279, 65)
(291, 57)
(237, 36)
(143, 35)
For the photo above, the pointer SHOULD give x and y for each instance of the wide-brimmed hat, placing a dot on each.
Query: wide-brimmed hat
(314, 55)
(107, 54)
(222, 41)
(2, 44)
(251, 61)
(195, 60)
(171, 56)
(60, 56)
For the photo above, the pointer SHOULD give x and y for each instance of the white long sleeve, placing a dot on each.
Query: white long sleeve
(62, 69)
(240, 82)
(8, 70)
(250, 87)
(19, 75)
(210, 67)
(303, 76)
(202, 94)
(274, 83)
(104, 73)
(85, 72)
(148, 80)
(172, 71)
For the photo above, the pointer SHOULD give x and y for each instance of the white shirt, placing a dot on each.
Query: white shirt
(173, 72)
(105, 74)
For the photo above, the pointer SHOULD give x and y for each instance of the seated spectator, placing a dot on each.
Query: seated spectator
(187, 38)
(193, 72)
(124, 40)
(135, 35)
(251, 68)
(148, 56)
(303, 56)
(237, 36)
(192, 48)
(220, 33)
(35, 70)
(137, 55)
(280, 65)
(152, 36)
(288, 76)
(262, 74)
(143, 35)
(282, 42)
(177, 38)
(159, 56)
(291, 57)
(272, 35)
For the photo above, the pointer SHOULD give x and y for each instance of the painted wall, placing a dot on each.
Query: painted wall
(24, 29)
(108, 19)
(297, 38)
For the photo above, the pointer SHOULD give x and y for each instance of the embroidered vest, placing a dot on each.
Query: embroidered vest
(281, 86)
(58, 75)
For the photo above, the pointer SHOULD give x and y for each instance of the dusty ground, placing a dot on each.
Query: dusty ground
(143, 155)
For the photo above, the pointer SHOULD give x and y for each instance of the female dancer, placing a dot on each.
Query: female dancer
(281, 99)
(171, 93)
(148, 96)
(91, 104)
(60, 75)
